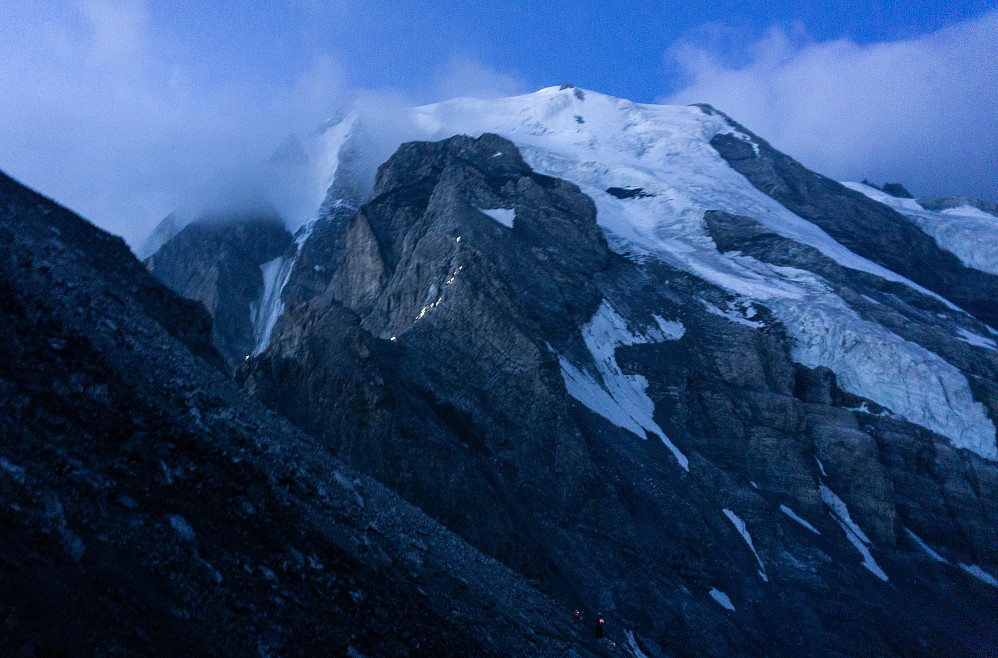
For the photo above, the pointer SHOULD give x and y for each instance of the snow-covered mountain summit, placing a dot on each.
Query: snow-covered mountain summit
(662, 159)
(639, 354)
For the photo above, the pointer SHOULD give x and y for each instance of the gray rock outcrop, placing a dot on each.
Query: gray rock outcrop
(217, 261)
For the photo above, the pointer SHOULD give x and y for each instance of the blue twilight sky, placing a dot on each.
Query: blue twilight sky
(124, 109)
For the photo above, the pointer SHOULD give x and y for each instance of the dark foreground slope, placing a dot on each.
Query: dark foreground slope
(148, 508)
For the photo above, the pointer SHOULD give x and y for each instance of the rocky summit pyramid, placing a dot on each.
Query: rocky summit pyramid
(643, 361)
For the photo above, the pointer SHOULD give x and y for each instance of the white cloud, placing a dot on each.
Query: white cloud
(466, 77)
(117, 27)
(102, 113)
(919, 111)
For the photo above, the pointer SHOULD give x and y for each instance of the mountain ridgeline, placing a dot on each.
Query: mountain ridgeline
(636, 360)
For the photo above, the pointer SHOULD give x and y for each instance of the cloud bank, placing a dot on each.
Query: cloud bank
(466, 77)
(105, 110)
(922, 111)
(109, 116)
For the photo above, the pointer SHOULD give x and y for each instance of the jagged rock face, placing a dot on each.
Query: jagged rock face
(447, 280)
(468, 374)
(891, 447)
(867, 228)
(427, 198)
(148, 507)
(217, 261)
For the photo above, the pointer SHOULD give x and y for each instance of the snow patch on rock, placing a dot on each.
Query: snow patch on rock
(276, 273)
(621, 399)
(667, 329)
(504, 216)
(853, 532)
(743, 531)
(793, 515)
(980, 574)
(722, 599)
(632, 645)
(266, 312)
(925, 547)
(733, 314)
(976, 340)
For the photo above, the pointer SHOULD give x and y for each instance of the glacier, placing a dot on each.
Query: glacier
(966, 232)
